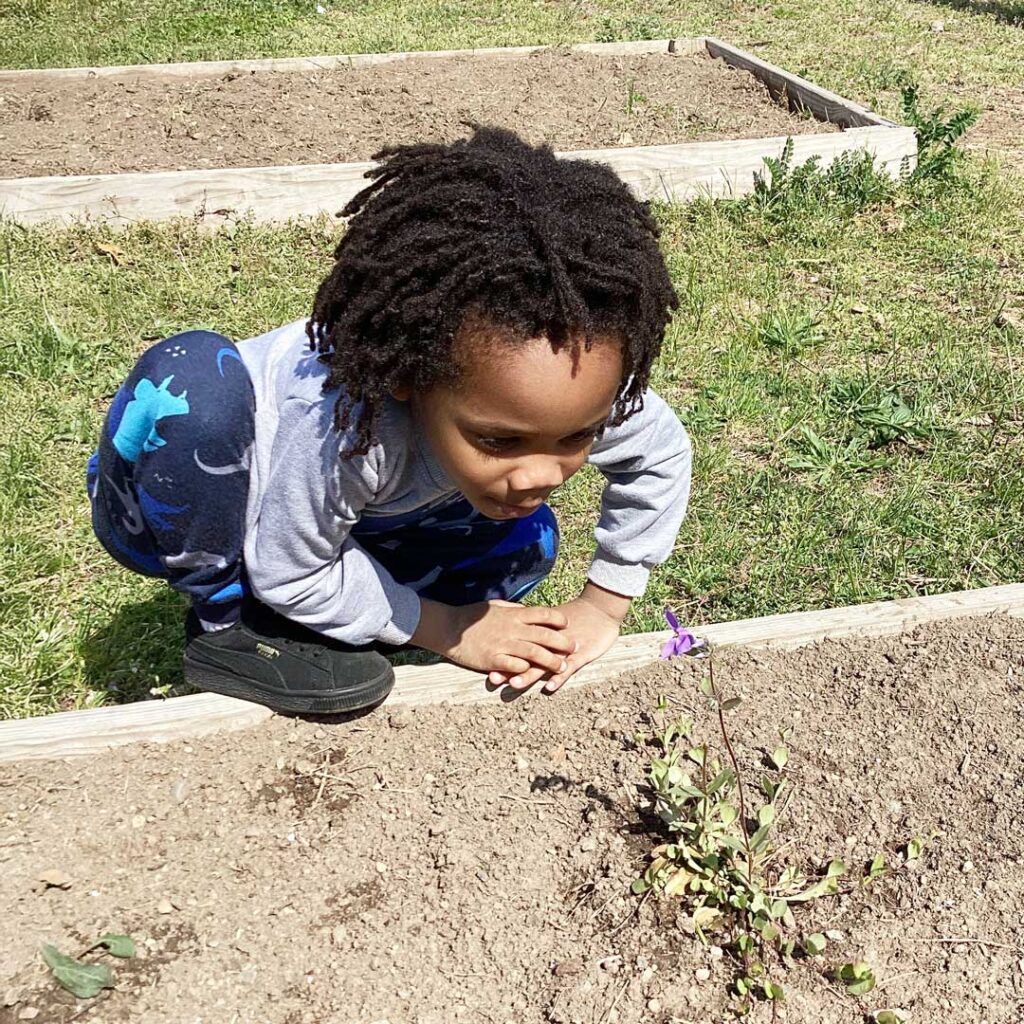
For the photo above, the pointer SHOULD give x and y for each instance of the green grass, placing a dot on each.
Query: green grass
(798, 335)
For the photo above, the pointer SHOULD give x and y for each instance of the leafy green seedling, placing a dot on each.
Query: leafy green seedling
(858, 978)
(876, 870)
(634, 98)
(915, 847)
(887, 1017)
(815, 943)
(937, 135)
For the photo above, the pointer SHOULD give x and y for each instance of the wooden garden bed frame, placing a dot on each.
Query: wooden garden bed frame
(674, 172)
(81, 733)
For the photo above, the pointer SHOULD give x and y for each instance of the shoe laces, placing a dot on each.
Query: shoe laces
(315, 649)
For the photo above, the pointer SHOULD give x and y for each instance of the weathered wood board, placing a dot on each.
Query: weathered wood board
(81, 733)
(327, 62)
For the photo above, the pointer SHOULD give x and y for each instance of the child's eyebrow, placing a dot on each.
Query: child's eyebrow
(487, 429)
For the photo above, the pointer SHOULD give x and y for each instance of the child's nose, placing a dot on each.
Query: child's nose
(538, 476)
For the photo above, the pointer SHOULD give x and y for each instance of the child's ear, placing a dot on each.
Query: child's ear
(402, 393)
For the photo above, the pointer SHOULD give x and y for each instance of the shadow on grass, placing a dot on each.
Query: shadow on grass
(138, 650)
(1009, 12)
(136, 654)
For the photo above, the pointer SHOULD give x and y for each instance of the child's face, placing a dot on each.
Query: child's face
(520, 420)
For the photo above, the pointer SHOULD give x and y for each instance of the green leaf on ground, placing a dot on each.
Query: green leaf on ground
(117, 945)
(84, 980)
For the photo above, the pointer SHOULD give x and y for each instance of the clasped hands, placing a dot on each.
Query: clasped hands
(519, 646)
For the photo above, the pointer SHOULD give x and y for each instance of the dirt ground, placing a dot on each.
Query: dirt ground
(473, 863)
(572, 100)
(998, 130)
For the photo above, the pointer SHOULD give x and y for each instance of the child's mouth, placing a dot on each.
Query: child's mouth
(514, 511)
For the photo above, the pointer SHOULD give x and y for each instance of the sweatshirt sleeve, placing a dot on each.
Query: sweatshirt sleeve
(647, 463)
(300, 558)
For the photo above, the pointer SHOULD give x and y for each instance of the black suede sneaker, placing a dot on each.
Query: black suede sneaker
(271, 660)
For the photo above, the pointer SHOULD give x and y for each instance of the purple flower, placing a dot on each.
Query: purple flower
(683, 642)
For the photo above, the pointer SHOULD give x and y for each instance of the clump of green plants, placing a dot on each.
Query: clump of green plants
(614, 30)
(87, 980)
(823, 460)
(849, 184)
(879, 415)
(808, 199)
(788, 331)
(937, 134)
(721, 857)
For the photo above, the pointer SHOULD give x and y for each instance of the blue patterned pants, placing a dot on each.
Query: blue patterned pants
(169, 480)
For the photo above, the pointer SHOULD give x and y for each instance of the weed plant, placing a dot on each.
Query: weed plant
(722, 860)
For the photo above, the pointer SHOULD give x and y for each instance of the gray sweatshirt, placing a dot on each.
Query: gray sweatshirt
(304, 498)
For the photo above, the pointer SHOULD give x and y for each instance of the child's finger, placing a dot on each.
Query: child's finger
(510, 665)
(525, 680)
(553, 684)
(541, 616)
(497, 678)
(552, 639)
(538, 656)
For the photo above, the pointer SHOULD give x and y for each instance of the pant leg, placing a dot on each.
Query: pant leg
(169, 482)
(455, 555)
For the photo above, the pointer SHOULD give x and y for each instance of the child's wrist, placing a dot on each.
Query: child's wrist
(615, 606)
(437, 630)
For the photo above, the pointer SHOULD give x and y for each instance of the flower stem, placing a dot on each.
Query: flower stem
(736, 772)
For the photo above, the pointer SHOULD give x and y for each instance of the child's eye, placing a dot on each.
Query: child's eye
(497, 444)
(582, 436)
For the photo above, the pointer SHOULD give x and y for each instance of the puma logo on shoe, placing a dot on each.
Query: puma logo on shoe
(267, 651)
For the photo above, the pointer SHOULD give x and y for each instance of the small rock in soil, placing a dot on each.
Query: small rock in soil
(165, 907)
(702, 973)
(567, 968)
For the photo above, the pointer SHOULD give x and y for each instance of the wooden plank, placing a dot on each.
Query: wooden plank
(796, 91)
(727, 168)
(79, 733)
(328, 62)
(679, 172)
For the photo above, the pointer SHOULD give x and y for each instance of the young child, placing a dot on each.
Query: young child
(378, 475)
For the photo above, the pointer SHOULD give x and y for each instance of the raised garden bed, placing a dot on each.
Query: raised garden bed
(674, 117)
(473, 863)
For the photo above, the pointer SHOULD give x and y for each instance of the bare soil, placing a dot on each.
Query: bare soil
(571, 100)
(473, 863)
(998, 131)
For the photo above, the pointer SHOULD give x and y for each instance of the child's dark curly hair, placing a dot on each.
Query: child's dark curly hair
(494, 227)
